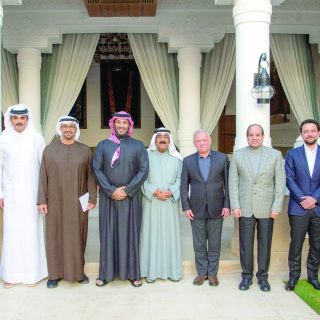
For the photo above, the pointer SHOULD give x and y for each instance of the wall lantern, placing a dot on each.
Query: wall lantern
(262, 90)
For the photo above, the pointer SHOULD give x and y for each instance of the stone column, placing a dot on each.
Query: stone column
(189, 62)
(29, 65)
(252, 20)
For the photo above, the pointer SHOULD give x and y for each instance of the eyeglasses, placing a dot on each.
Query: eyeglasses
(65, 126)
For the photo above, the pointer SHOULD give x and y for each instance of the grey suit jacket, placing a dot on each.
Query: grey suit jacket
(258, 194)
(211, 195)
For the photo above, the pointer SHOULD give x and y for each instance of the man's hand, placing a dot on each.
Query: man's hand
(119, 194)
(162, 195)
(225, 212)
(1, 203)
(90, 206)
(43, 208)
(237, 213)
(308, 202)
(274, 214)
(189, 214)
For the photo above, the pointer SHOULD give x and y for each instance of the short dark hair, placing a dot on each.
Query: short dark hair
(309, 121)
(255, 124)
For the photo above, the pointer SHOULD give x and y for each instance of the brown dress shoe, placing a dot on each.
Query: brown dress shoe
(213, 281)
(198, 280)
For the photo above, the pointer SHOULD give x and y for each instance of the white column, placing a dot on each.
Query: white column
(29, 65)
(252, 20)
(189, 62)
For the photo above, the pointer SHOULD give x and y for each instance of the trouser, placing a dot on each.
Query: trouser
(300, 225)
(206, 236)
(247, 228)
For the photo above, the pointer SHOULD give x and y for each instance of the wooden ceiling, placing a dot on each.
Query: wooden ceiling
(118, 8)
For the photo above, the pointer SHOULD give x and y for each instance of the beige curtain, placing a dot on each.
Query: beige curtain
(291, 58)
(9, 79)
(316, 66)
(63, 74)
(218, 72)
(157, 72)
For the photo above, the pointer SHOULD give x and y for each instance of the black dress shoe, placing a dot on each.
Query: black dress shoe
(264, 285)
(85, 280)
(291, 284)
(53, 283)
(315, 283)
(245, 284)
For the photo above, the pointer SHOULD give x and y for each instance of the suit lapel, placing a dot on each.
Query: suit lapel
(196, 160)
(213, 154)
(304, 161)
(317, 162)
(263, 160)
(248, 161)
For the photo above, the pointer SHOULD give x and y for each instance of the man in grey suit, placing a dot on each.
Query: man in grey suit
(206, 173)
(256, 188)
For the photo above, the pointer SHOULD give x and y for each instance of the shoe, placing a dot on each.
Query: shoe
(150, 280)
(85, 280)
(135, 282)
(53, 283)
(245, 284)
(199, 280)
(264, 285)
(174, 280)
(8, 285)
(213, 281)
(100, 282)
(291, 284)
(315, 283)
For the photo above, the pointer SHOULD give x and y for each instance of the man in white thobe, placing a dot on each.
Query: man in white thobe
(23, 257)
(160, 245)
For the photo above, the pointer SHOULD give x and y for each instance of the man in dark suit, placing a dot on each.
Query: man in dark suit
(207, 203)
(303, 181)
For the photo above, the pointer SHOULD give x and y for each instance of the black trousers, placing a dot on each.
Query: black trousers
(206, 235)
(300, 225)
(247, 228)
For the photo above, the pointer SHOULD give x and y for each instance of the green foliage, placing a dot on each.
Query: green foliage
(308, 294)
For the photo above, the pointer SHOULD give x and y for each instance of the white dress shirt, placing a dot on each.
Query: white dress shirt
(311, 157)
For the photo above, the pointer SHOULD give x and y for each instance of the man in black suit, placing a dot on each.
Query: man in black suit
(206, 173)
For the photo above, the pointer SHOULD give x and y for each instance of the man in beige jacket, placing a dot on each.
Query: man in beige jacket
(256, 190)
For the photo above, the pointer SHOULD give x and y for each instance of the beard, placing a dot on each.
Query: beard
(310, 143)
(121, 134)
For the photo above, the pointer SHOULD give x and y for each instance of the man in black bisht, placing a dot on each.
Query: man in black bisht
(120, 165)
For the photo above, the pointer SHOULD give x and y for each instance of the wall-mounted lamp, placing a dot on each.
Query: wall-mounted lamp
(262, 90)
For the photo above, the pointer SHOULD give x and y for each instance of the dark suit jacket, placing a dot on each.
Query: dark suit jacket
(211, 194)
(299, 181)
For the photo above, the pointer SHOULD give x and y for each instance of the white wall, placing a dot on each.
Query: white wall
(93, 134)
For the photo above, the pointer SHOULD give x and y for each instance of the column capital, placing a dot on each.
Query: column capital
(30, 57)
(189, 55)
(252, 11)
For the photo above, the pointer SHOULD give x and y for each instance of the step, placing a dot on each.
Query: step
(225, 266)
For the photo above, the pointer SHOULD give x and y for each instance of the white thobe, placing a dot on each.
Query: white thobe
(23, 257)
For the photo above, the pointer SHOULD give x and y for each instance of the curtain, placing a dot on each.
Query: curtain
(156, 67)
(9, 79)
(62, 76)
(218, 72)
(292, 56)
(316, 68)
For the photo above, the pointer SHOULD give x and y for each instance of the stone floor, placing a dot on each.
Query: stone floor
(160, 300)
